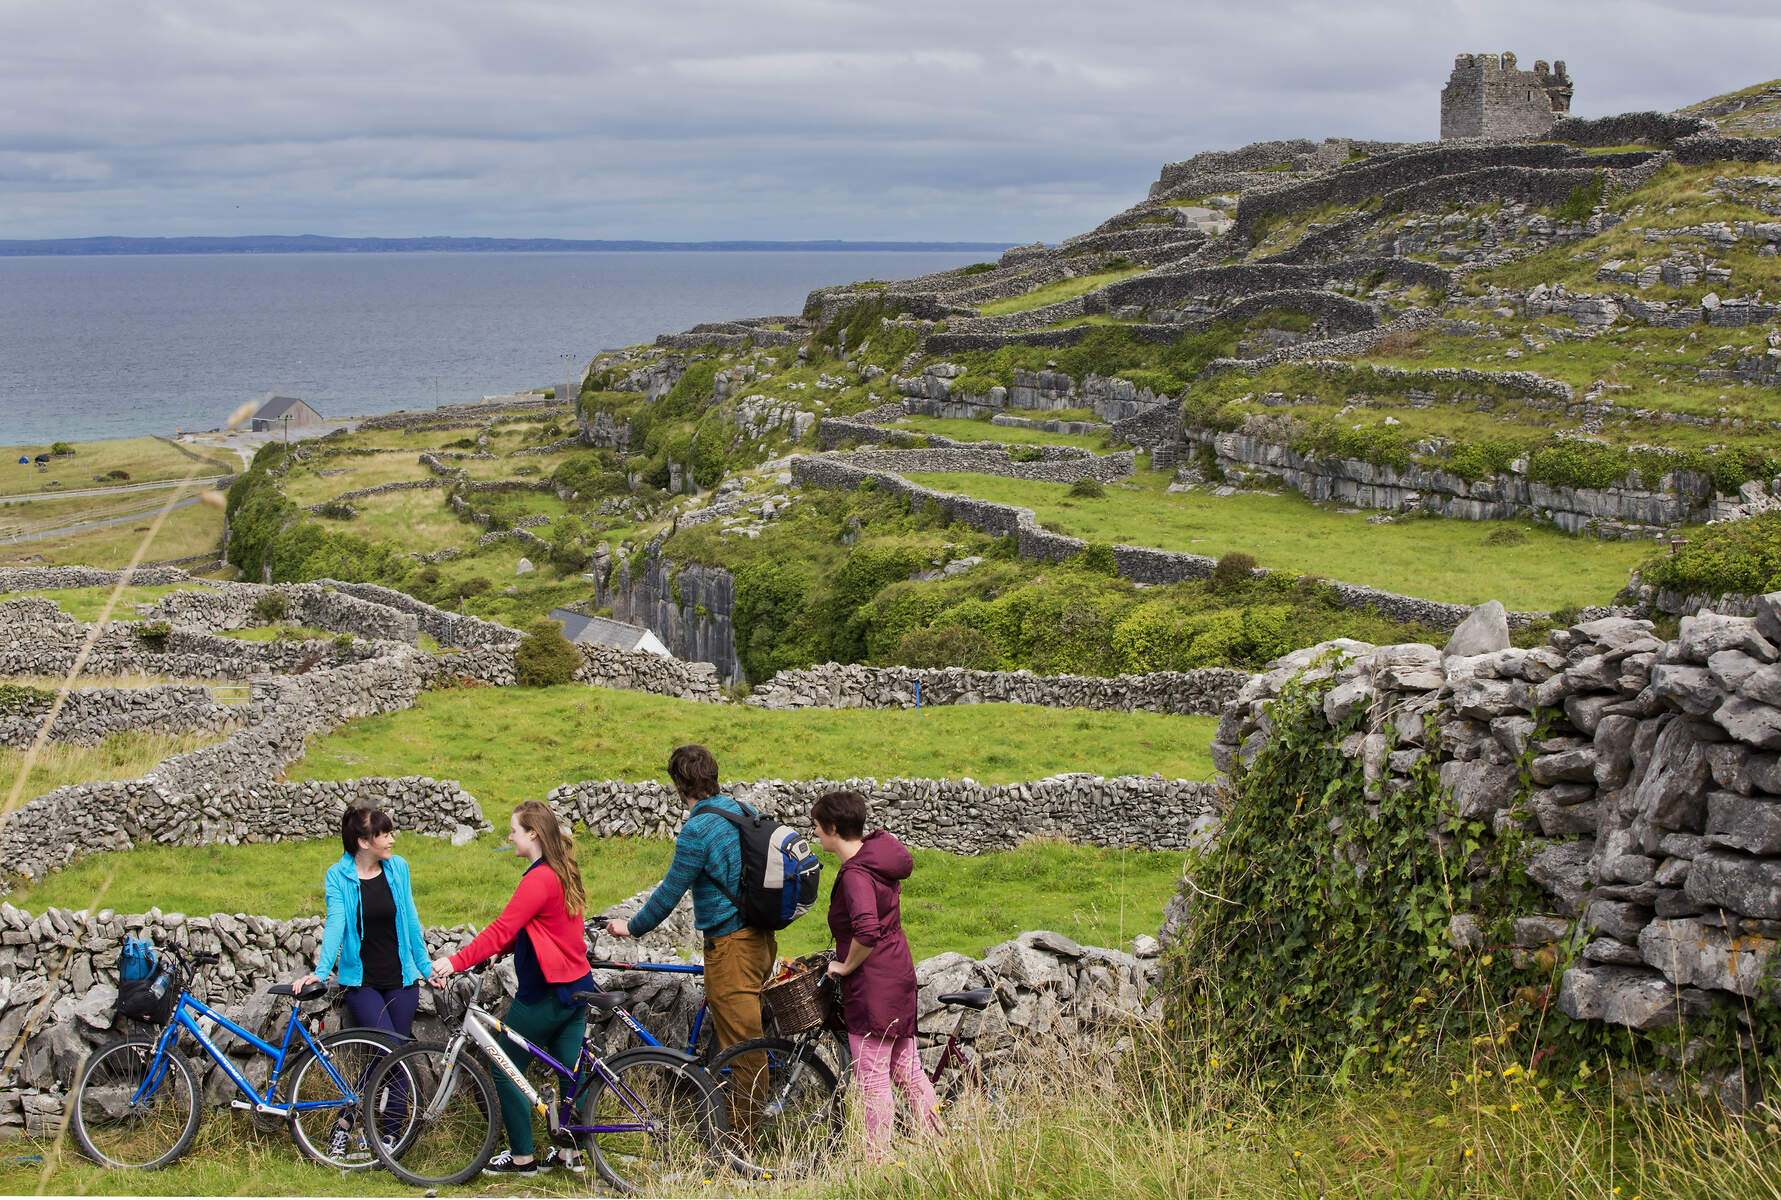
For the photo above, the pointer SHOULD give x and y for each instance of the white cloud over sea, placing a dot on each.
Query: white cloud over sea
(782, 119)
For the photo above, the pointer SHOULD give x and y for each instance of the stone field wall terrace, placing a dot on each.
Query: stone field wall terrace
(1654, 772)
(959, 816)
(1104, 468)
(1141, 564)
(91, 714)
(834, 685)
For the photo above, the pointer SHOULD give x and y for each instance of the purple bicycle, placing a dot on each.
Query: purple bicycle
(650, 1117)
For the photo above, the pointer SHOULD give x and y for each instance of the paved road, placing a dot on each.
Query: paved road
(200, 481)
(63, 530)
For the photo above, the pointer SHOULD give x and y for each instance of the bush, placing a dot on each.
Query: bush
(1233, 571)
(1098, 559)
(154, 634)
(1025, 454)
(271, 606)
(1581, 201)
(545, 657)
(343, 642)
(946, 646)
(1087, 489)
(22, 700)
(1737, 556)
(61, 449)
(1506, 536)
(118, 475)
(337, 510)
(476, 585)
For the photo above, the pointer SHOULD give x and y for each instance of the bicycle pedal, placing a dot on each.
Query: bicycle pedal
(255, 1107)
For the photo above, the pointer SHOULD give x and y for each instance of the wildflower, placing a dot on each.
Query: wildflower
(1295, 1153)
(1511, 1069)
(1515, 1108)
(1215, 1064)
(1470, 1152)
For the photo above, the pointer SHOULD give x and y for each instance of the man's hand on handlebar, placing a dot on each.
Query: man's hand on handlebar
(618, 928)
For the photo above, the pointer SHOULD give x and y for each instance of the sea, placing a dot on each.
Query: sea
(126, 345)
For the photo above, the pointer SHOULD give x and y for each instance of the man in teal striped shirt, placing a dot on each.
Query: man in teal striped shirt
(738, 957)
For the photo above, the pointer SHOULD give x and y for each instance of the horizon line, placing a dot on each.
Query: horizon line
(103, 244)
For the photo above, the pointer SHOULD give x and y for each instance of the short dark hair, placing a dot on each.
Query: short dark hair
(842, 812)
(364, 823)
(693, 771)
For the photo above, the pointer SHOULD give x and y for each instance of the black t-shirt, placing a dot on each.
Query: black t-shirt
(377, 949)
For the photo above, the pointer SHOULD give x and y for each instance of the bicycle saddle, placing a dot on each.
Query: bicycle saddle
(604, 1001)
(312, 992)
(977, 998)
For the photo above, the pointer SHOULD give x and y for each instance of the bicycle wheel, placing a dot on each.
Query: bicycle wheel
(799, 1110)
(334, 1135)
(966, 1095)
(655, 1121)
(115, 1126)
(453, 1116)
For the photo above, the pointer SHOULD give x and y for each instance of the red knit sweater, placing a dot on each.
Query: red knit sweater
(559, 938)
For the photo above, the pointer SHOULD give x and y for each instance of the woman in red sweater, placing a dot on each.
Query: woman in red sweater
(543, 926)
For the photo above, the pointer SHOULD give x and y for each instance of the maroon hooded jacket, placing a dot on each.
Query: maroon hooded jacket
(879, 997)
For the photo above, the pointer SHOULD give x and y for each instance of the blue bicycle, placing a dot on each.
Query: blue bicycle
(138, 1100)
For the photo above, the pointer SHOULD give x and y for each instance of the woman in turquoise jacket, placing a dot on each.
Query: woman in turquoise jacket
(373, 930)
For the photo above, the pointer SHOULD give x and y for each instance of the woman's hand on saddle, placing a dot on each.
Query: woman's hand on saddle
(303, 981)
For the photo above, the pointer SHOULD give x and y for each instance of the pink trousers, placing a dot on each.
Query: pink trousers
(877, 1061)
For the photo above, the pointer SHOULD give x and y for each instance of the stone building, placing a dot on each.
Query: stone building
(1487, 96)
(286, 412)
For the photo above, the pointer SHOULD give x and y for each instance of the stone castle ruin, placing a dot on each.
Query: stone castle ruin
(1486, 96)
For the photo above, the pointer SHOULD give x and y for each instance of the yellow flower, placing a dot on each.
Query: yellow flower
(1469, 1152)
(1515, 1108)
(1295, 1153)
(1215, 1064)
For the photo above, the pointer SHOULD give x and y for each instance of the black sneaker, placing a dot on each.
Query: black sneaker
(558, 1159)
(503, 1164)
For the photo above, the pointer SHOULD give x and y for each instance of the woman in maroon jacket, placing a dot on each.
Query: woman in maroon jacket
(872, 956)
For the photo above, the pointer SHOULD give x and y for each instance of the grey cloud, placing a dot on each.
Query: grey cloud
(788, 118)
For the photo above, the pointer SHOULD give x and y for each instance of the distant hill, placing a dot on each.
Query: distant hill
(313, 244)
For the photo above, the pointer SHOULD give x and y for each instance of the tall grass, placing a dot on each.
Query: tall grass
(120, 756)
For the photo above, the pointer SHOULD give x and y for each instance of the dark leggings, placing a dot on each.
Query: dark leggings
(388, 1009)
(391, 1010)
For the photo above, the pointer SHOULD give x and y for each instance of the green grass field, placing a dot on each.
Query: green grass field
(983, 431)
(194, 529)
(147, 460)
(512, 744)
(1051, 293)
(1433, 558)
(85, 604)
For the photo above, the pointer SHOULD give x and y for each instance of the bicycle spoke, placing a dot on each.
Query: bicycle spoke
(450, 1117)
(785, 1107)
(654, 1124)
(120, 1122)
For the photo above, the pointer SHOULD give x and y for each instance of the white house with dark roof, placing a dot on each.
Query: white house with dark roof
(286, 412)
(603, 631)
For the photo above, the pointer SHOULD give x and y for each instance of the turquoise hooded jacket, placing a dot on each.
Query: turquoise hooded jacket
(345, 931)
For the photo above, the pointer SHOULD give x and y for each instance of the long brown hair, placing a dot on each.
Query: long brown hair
(536, 818)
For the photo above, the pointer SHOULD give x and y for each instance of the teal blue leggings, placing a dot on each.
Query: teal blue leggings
(556, 1029)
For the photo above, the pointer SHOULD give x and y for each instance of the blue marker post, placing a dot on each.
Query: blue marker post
(918, 694)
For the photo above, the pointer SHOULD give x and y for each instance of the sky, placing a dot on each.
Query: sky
(749, 119)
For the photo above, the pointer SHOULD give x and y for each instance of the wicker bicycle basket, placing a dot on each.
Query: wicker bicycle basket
(799, 1001)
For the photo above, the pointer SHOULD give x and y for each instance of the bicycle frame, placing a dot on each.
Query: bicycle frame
(482, 1027)
(649, 1039)
(952, 1056)
(184, 1020)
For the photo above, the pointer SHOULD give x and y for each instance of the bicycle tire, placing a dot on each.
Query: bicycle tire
(455, 1142)
(960, 1090)
(148, 1134)
(682, 1116)
(355, 1053)
(802, 1110)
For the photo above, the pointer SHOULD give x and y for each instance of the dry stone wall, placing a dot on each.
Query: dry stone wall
(1655, 780)
(960, 816)
(90, 715)
(1103, 468)
(834, 685)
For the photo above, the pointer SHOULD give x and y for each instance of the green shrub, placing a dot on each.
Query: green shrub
(1025, 454)
(946, 646)
(118, 475)
(23, 700)
(61, 449)
(1474, 461)
(1087, 489)
(1508, 535)
(154, 634)
(271, 606)
(343, 642)
(1581, 201)
(1233, 571)
(1097, 558)
(476, 585)
(982, 268)
(545, 657)
(591, 475)
(337, 510)
(1735, 556)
